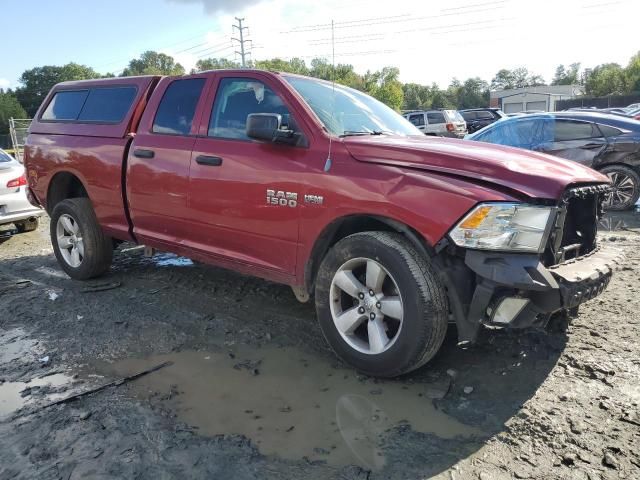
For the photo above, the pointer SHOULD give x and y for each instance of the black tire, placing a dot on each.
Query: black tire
(29, 225)
(98, 248)
(623, 172)
(424, 300)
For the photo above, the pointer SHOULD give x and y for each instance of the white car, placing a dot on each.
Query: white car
(440, 123)
(15, 208)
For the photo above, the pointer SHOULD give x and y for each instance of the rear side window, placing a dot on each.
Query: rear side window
(435, 117)
(4, 157)
(608, 131)
(566, 130)
(107, 105)
(65, 105)
(178, 106)
(484, 115)
(417, 120)
(469, 116)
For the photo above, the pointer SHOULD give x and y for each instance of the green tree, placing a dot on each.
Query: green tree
(519, 78)
(473, 93)
(633, 74)
(566, 76)
(37, 82)
(416, 96)
(214, 64)
(607, 79)
(9, 107)
(153, 63)
(295, 65)
(385, 86)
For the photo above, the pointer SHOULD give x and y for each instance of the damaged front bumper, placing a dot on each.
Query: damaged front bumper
(517, 290)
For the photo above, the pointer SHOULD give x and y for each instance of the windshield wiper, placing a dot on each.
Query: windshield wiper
(352, 133)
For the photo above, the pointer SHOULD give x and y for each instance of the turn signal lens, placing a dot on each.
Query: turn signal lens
(475, 219)
(17, 182)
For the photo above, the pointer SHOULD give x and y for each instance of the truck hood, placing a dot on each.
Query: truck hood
(532, 174)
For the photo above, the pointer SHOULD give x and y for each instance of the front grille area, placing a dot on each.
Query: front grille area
(575, 229)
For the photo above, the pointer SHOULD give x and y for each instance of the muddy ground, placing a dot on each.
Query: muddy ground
(251, 390)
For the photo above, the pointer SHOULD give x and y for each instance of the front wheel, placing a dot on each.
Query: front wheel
(380, 305)
(626, 187)
(82, 249)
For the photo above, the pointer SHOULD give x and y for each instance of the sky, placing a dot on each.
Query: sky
(428, 40)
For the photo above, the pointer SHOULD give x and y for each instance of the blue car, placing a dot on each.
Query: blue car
(608, 143)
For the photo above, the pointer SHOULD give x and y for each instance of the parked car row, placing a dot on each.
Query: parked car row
(606, 142)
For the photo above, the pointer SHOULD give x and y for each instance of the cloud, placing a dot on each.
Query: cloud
(221, 6)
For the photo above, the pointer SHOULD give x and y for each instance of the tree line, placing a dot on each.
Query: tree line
(384, 84)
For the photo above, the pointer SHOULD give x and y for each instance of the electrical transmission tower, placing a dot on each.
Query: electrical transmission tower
(243, 53)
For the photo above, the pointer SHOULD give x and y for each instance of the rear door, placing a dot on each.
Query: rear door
(159, 161)
(576, 140)
(246, 195)
(437, 124)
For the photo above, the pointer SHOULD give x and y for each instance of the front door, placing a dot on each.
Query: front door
(159, 161)
(246, 195)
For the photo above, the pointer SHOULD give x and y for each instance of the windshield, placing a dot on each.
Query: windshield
(350, 112)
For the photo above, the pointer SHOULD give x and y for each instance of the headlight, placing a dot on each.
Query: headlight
(504, 226)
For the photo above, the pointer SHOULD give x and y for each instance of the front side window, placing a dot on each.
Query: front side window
(469, 116)
(417, 120)
(236, 99)
(178, 106)
(435, 118)
(345, 111)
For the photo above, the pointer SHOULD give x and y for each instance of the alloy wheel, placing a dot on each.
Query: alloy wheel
(70, 241)
(366, 306)
(622, 189)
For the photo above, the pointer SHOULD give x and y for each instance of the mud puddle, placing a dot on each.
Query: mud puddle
(617, 221)
(15, 345)
(289, 404)
(15, 395)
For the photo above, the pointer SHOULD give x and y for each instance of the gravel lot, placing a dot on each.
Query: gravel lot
(252, 391)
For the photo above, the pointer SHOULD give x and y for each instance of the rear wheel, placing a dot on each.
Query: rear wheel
(380, 305)
(626, 187)
(82, 249)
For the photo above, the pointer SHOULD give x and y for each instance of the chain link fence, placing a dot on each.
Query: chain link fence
(18, 130)
(610, 101)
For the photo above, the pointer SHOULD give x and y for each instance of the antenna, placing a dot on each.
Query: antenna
(327, 164)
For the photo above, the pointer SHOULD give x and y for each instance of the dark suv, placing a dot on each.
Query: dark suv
(478, 118)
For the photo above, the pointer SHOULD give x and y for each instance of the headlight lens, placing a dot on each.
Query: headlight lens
(503, 226)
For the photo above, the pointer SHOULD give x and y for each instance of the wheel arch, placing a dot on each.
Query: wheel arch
(348, 225)
(64, 185)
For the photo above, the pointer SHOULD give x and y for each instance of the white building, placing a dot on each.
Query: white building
(533, 98)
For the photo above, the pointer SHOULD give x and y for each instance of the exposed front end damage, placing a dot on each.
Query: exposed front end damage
(520, 290)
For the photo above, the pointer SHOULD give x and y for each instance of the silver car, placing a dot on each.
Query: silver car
(440, 123)
(15, 208)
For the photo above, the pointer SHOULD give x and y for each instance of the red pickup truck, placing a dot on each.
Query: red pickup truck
(323, 188)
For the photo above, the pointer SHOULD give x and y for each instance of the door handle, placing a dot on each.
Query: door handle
(210, 161)
(143, 153)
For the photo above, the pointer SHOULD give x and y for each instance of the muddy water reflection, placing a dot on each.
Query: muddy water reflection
(12, 400)
(289, 404)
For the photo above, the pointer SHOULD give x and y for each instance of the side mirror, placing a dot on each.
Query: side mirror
(268, 127)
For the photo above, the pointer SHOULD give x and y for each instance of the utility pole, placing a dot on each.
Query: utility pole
(241, 41)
